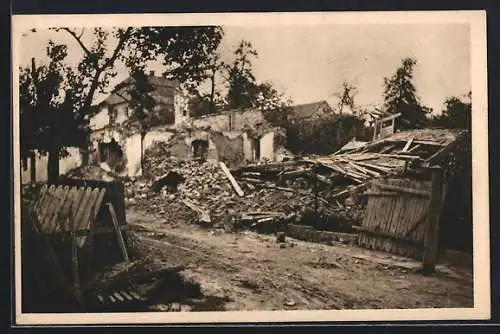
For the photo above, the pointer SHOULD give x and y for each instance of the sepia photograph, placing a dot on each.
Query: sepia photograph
(182, 168)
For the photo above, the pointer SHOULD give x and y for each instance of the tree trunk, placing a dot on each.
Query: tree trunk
(53, 166)
(143, 134)
(32, 159)
(212, 94)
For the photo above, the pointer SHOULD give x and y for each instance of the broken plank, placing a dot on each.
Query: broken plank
(100, 298)
(374, 166)
(348, 190)
(387, 234)
(263, 220)
(380, 193)
(124, 293)
(413, 148)
(249, 186)
(251, 174)
(251, 180)
(388, 148)
(118, 231)
(136, 296)
(279, 188)
(231, 179)
(118, 296)
(271, 213)
(407, 146)
(412, 191)
(399, 156)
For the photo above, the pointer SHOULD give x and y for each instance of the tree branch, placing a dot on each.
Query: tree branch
(78, 40)
(108, 63)
(118, 48)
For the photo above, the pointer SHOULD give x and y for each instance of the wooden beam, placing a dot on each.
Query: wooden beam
(83, 233)
(388, 118)
(231, 179)
(411, 191)
(387, 235)
(348, 190)
(407, 146)
(380, 193)
(413, 148)
(119, 235)
(432, 224)
(74, 263)
(440, 153)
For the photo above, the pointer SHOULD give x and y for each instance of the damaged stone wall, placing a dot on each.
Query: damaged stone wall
(133, 154)
(267, 146)
(248, 118)
(230, 121)
(235, 147)
(214, 122)
(156, 136)
(229, 146)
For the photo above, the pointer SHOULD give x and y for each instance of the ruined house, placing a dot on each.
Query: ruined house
(235, 137)
(116, 137)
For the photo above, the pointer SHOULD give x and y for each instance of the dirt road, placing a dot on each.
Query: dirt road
(247, 271)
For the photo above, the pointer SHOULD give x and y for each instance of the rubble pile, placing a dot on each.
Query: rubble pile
(323, 191)
(207, 195)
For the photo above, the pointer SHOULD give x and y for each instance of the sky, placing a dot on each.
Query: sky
(308, 63)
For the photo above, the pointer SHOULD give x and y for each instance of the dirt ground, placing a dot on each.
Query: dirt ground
(248, 271)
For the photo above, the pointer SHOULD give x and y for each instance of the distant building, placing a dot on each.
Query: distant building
(310, 111)
(171, 104)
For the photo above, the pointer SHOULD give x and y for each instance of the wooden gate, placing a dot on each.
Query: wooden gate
(397, 217)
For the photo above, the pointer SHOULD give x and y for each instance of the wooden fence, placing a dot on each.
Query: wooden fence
(402, 217)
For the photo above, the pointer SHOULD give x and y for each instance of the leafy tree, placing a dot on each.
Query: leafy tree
(456, 114)
(216, 65)
(242, 88)
(274, 104)
(208, 103)
(400, 96)
(324, 135)
(46, 113)
(346, 97)
(184, 51)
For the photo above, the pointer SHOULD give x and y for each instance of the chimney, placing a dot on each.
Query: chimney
(151, 73)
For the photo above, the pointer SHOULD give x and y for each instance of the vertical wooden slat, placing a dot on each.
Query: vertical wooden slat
(41, 196)
(404, 211)
(386, 214)
(89, 209)
(66, 207)
(84, 205)
(45, 210)
(61, 195)
(432, 228)
(74, 261)
(375, 219)
(366, 218)
(77, 201)
(388, 244)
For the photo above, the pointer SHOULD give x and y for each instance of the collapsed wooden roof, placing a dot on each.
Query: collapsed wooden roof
(392, 155)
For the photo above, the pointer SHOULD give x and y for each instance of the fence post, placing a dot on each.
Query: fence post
(432, 226)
